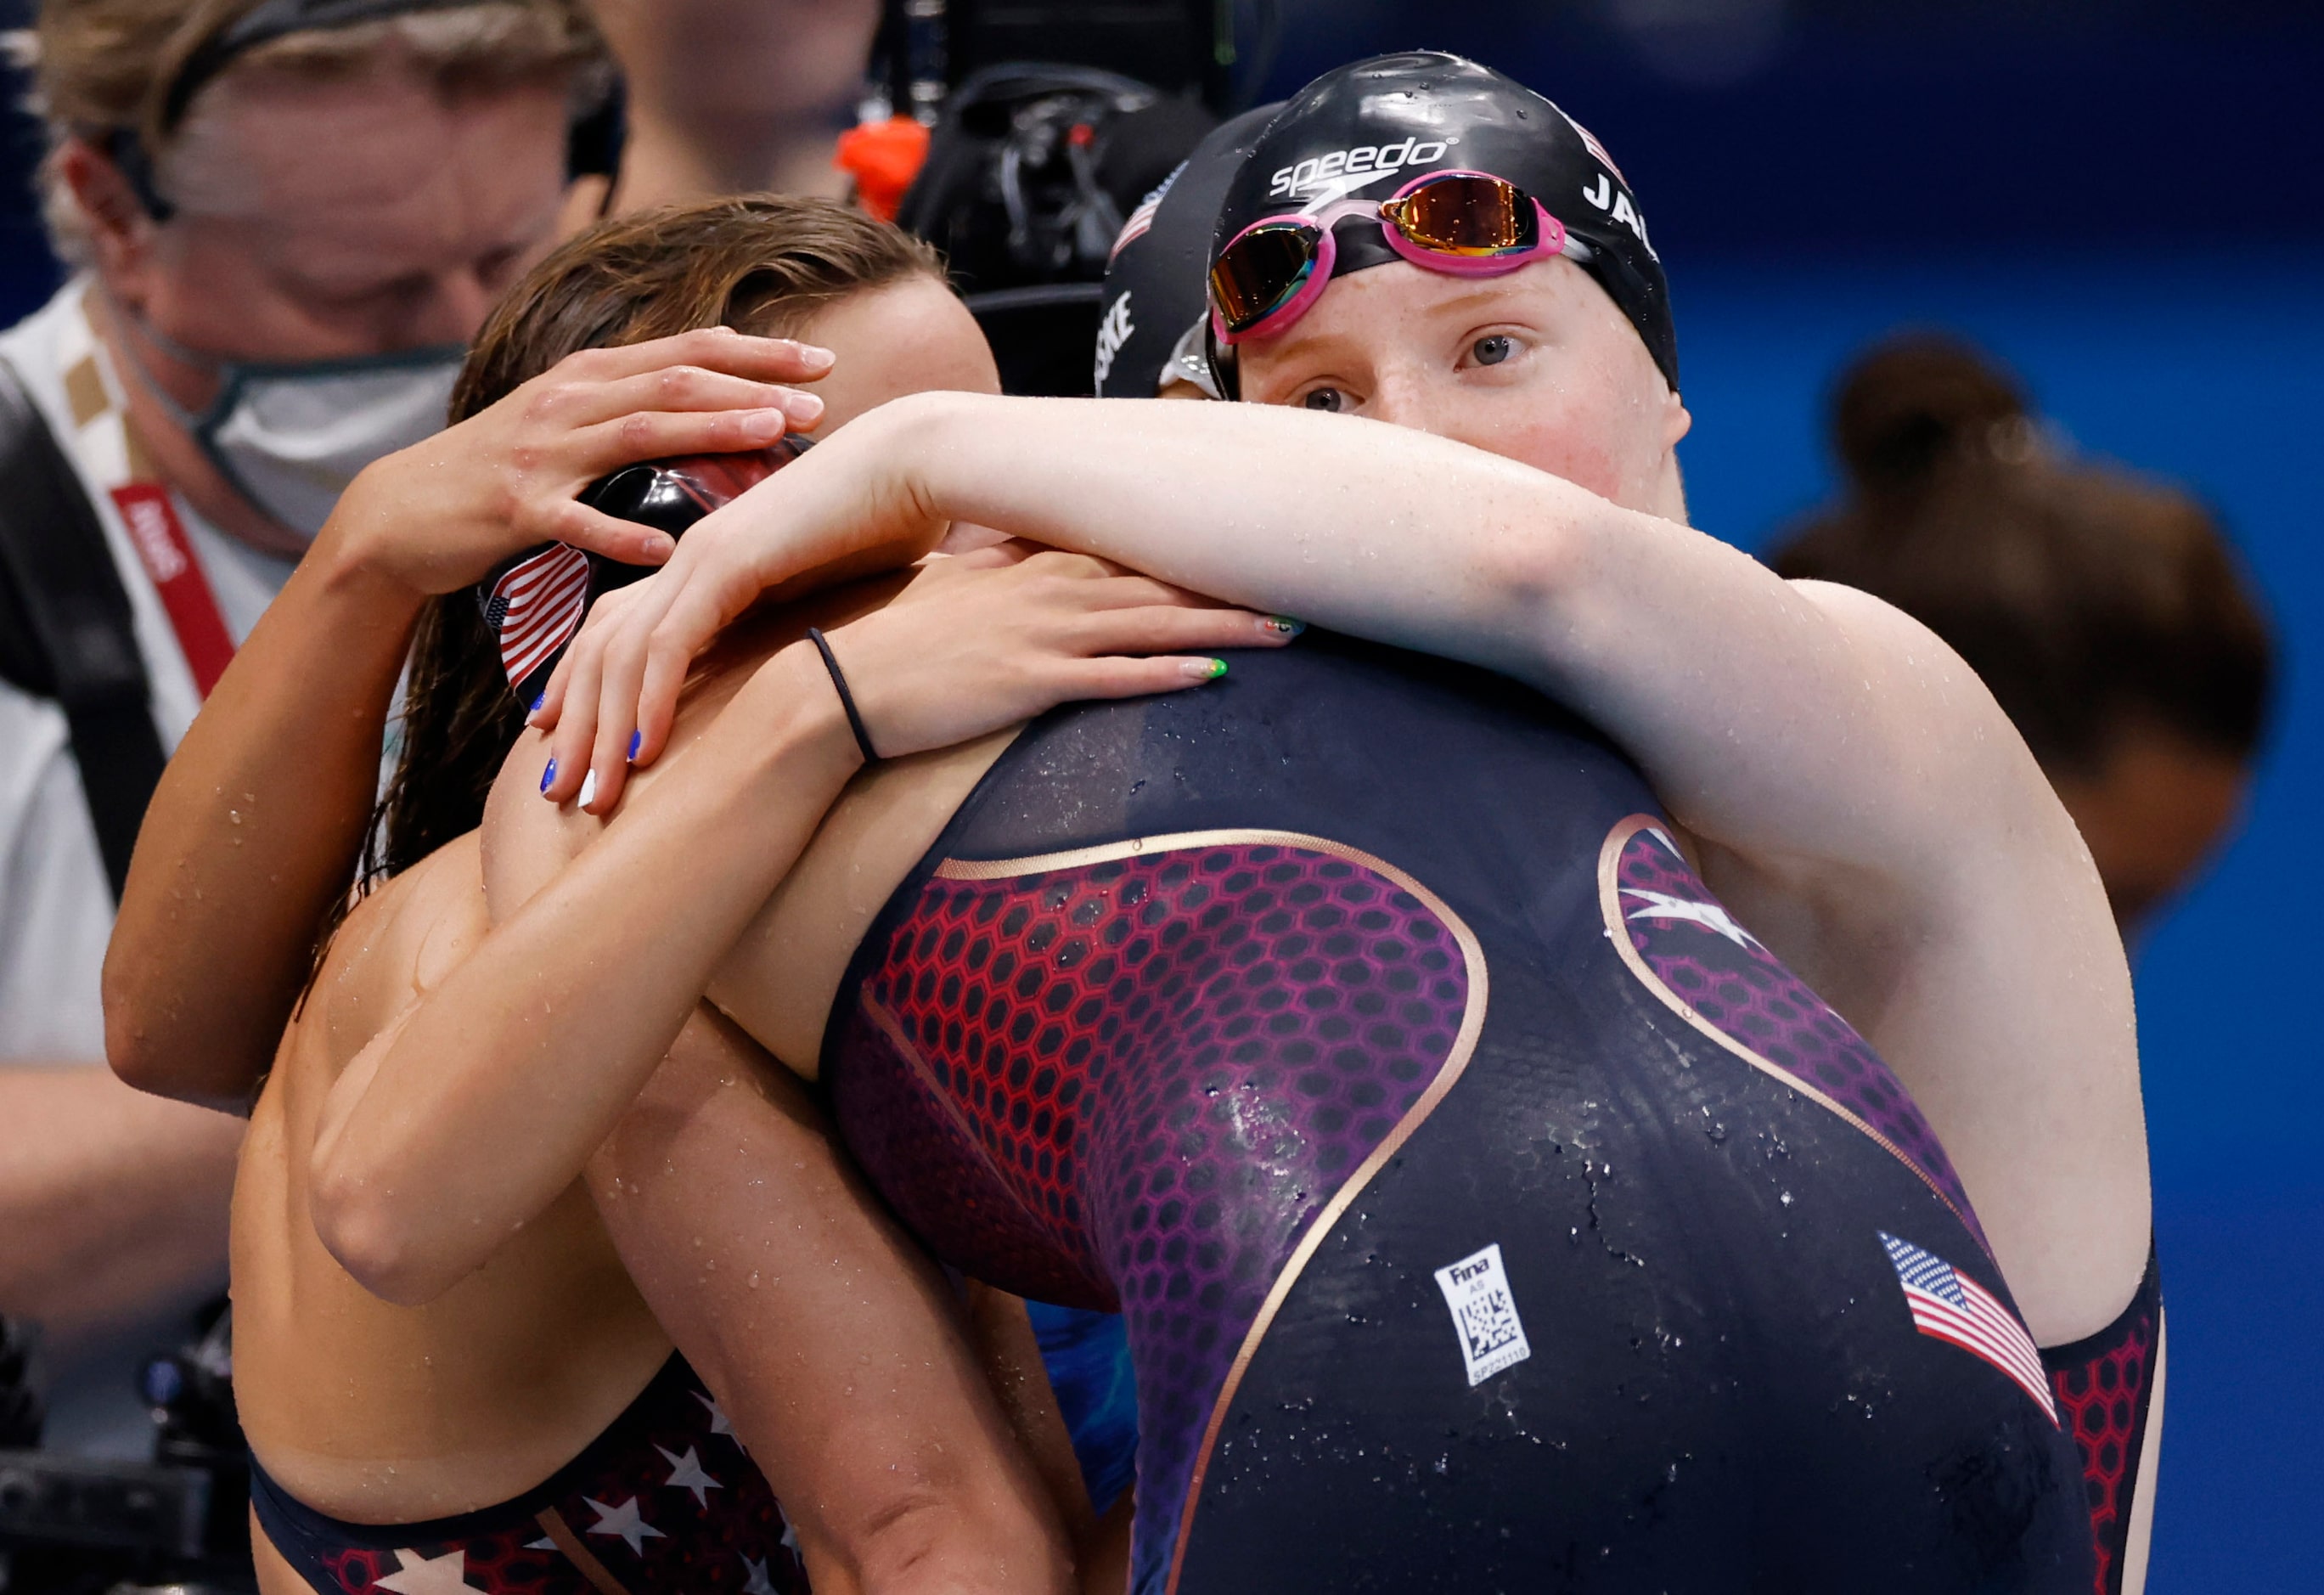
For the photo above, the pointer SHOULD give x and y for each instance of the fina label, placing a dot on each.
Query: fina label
(1484, 1315)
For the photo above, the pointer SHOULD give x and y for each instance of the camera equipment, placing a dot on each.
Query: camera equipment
(1029, 176)
(1050, 122)
(1186, 49)
(73, 1525)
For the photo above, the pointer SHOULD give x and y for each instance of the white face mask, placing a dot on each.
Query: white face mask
(291, 434)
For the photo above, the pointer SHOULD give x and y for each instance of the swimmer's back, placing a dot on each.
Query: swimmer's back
(1482, 1198)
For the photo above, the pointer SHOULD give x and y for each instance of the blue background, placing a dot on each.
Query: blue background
(2124, 199)
(2150, 362)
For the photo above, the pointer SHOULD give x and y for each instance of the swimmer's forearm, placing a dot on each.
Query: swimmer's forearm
(478, 1110)
(111, 1201)
(253, 832)
(1769, 718)
(875, 1425)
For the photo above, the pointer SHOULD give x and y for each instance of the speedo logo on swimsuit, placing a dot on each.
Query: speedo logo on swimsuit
(1377, 159)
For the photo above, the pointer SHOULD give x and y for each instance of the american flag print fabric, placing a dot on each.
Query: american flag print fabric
(537, 606)
(1949, 1305)
(1140, 220)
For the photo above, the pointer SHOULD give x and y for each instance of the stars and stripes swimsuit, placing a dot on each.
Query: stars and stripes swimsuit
(663, 1500)
(1489, 1210)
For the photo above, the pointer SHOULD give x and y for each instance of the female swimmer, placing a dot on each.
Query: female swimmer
(1647, 1273)
(531, 1426)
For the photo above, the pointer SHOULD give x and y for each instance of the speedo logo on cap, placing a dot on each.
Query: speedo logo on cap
(1377, 159)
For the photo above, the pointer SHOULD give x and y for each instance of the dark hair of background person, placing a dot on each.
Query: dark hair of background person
(762, 264)
(2095, 604)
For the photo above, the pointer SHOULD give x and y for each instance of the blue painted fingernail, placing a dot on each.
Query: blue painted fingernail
(636, 737)
(540, 699)
(1284, 625)
(549, 775)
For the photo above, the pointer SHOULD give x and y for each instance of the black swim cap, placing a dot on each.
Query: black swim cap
(1154, 279)
(1369, 128)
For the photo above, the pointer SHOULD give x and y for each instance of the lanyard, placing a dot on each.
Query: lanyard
(167, 555)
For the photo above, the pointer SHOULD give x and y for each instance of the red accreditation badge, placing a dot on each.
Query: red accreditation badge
(168, 558)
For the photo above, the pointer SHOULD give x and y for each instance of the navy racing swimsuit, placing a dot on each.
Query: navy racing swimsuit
(1489, 1210)
(663, 1500)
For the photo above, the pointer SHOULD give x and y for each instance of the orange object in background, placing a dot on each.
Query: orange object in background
(883, 157)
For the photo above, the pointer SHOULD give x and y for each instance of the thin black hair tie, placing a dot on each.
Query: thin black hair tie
(846, 698)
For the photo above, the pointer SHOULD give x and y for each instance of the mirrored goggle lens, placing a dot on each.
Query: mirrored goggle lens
(1473, 215)
(1260, 271)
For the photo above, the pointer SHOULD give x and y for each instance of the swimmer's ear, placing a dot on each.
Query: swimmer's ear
(1677, 420)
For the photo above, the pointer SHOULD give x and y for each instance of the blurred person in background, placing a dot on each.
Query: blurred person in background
(2107, 611)
(733, 96)
(284, 220)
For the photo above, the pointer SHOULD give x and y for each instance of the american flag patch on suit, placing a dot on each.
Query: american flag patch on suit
(1949, 1305)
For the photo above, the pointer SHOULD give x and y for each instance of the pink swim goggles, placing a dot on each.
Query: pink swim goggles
(1467, 224)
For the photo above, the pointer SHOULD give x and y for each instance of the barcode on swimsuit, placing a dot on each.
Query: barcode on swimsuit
(1484, 1313)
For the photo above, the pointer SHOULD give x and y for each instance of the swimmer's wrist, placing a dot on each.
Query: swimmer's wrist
(917, 436)
(800, 718)
(357, 553)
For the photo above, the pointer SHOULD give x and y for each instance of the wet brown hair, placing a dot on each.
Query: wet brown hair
(2087, 598)
(762, 265)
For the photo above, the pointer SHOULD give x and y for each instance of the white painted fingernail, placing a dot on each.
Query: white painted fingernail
(588, 789)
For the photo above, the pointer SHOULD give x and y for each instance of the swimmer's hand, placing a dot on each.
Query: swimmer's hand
(974, 643)
(438, 516)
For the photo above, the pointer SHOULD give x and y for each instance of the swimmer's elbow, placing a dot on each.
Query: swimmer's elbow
(360, 1221)
(135, 1063)
(1524, 584)
(154, 1052)
(934, 1543)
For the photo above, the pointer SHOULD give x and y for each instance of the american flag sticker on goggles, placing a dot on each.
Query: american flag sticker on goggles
(537, 606)
(1949, 1305)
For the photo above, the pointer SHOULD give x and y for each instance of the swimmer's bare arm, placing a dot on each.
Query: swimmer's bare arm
(1842, 770)
(832, 1344)
(253, 830)
(485, 1103)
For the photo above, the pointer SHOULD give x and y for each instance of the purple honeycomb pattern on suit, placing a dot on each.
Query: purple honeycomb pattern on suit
(1721, 972)
(1135, 1081)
